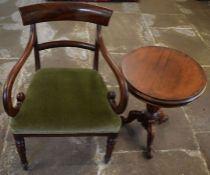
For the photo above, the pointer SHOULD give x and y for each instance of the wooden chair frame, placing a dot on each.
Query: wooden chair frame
(58, 12)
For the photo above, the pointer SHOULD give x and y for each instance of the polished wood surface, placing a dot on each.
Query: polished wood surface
(121, 105)
(59, 11)
(164, 76)
(10, 108)
(102, 16)
(148, 118)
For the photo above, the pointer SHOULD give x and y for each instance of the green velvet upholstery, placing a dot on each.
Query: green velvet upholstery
(66, 101)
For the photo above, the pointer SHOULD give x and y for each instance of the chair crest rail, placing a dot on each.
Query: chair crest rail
(61, 11)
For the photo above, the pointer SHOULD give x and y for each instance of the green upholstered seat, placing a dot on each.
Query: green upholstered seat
(66, 101)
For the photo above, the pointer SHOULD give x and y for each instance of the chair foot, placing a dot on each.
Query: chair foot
(106, 159)
(110, 147)
(25, 166)
(148, 155)
(20, 145)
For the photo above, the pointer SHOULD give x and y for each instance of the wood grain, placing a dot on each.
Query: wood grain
(61, 11)
(163, 74)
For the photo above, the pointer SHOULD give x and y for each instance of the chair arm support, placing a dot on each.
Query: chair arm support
(120, 107)
(9, 108)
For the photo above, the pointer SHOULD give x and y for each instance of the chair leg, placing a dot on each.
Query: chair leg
(111, 140)
(20, 145)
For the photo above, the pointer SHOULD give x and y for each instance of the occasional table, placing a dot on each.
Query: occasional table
(160, 77)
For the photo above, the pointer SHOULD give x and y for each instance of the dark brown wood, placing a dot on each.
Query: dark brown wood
(103, 1)
(9, 107)
(20, 98)
(148, 123)
(98, 33)
(111, 95)
(150, 137)
(36, 49)
(117, 107)
(148, 119)
(133, 115)
(67, 135)
(111, 141)
(20, 145)
(66, 43)
(60, 11)
(160, 116)
(163, 76)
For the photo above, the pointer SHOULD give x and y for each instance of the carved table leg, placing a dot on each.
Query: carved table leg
(20, 145)
(110, 147)
(147, 118)
(150, 138)
(151, 115)
(133, 115)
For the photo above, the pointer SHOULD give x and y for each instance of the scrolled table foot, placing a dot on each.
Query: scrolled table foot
(133, 115)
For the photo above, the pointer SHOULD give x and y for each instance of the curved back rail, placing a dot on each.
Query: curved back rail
(62, 11)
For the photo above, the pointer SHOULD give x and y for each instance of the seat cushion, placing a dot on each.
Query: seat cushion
(66, 101)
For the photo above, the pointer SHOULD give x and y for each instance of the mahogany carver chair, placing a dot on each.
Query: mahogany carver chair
(64, 101)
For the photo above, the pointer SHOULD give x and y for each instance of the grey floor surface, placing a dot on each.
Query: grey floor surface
(181, 145)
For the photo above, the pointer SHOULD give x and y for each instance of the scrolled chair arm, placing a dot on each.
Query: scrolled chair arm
(120, 107)
(9, 107)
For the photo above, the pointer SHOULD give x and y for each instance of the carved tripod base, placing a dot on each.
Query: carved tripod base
(148, 118)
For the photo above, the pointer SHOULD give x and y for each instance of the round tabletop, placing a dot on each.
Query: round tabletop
(163, 76)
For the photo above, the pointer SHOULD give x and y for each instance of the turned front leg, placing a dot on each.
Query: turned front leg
(110, 147)
(20, 145)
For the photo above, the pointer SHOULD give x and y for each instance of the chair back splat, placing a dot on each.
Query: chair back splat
(65, 101)
(65, 12)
